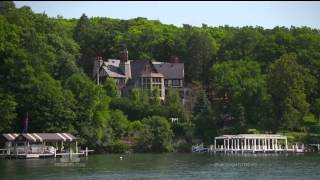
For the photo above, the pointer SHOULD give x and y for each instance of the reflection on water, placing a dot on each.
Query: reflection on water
(168, 166)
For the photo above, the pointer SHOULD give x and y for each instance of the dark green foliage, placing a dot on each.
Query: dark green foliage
(50, 107)
(317, 108)
(8, 112)
(92, 104)
(287, 88)
(6, 6)
(140, 104)
(248, 78)
(174, 107)
(200, 51)
(119, 124)
(117, 147)
(156, 135)
(110, 87)
(204, 119)
(241, 93)
(82, 34)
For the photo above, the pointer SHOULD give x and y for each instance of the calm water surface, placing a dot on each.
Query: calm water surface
(168, 166)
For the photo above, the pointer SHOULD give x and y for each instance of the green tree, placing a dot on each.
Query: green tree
(317, 108)
(5, 6)
(240, 90)
(92, 105)
(81, 29)
(204, 119)
(157, 135)
(199, 56)
(134, 94)
(110, 87)
(174, 106)
(50, 106)
(286, 86)
(155, 98)
(119, 124)
(8, 112)
(83, 35)
(241, 44)
(42, 60)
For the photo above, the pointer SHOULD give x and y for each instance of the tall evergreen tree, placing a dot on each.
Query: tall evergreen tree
(286, 86)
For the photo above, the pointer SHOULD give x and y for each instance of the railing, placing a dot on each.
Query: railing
(3, 151)
(199, 148)
(249, 148)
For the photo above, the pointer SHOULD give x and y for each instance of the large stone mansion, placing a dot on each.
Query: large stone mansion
(142, 74)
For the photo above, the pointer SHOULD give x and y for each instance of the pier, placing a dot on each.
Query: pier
(250, 143)
(39, 145)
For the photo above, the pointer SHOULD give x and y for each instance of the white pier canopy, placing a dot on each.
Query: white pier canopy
(251, 143)
(36, 143)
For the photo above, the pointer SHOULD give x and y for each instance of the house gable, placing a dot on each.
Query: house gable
(140, 67)
(148, 68)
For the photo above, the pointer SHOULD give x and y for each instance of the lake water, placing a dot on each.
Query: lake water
(167, 166)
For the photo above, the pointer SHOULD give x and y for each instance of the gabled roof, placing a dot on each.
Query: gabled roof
(170, 70)
(113, 71)
(10, 137)
(137, 67)
(111, 67)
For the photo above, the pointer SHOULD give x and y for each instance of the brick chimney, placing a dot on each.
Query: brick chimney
(125, 63)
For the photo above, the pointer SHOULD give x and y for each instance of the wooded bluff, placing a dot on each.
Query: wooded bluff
(247, 79)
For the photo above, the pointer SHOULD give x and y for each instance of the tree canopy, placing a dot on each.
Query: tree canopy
(244, 78)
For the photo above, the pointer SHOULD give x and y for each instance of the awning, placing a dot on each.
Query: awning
(39, 137)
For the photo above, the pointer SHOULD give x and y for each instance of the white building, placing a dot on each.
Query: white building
(251, 143)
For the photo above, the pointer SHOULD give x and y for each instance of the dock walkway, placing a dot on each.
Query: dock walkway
(5, 155)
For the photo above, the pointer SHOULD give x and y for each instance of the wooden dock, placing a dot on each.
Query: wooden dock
(200, 148)
(5, 155)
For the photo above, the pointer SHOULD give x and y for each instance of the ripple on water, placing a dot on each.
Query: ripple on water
(169, 166)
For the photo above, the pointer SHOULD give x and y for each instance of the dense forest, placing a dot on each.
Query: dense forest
(248, 80)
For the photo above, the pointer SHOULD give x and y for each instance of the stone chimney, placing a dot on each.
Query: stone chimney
(100, 61)
(125, 64)
(124, 55)
(96, 66)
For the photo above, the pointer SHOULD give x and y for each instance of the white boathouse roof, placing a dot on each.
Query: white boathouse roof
(252, 136)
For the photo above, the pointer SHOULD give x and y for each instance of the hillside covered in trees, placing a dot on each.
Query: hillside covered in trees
(248, 79)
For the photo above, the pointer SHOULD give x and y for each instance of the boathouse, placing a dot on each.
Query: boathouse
(251, 143)
(37, 144)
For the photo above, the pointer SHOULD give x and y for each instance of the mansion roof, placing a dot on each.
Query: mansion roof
(161, 69)
(112, 69)
(170, 70)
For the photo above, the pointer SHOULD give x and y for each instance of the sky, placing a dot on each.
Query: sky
(265, 14)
